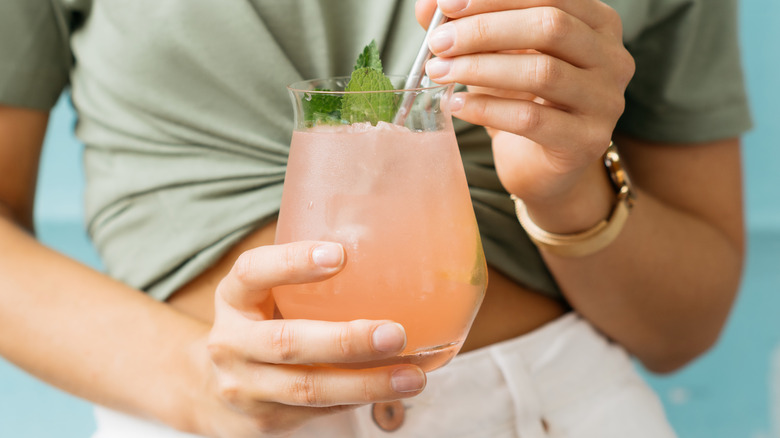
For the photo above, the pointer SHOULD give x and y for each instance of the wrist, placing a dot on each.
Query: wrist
(588, 200)
(190, 382)
(595, 238)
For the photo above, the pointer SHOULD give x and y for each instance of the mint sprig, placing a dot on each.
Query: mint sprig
(359, 107)
(368, 76)
(322, 108)
(369, 58)
(369, 107)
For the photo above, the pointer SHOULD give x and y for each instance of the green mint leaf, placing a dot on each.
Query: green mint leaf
(369, 58)
(369, 107)
(322, 108)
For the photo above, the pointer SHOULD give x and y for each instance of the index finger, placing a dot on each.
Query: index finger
(595, 13)
(544, 29)
(301, 342)
(424, 10)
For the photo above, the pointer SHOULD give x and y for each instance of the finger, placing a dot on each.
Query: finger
(300, 385)
(547, 30)
(507, 94)
(596, 14)
(257, 270)
(276, 420)
(538, 74)
(557, 130)
(306, 342)
(424, 10)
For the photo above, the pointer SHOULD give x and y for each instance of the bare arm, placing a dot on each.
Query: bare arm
(68, 324)
(96, 338)
(21, 138)
(664, 288)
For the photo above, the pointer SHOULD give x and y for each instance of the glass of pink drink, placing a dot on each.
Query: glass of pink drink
(396, 198)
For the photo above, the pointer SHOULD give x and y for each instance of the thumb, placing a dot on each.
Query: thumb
(248, 284)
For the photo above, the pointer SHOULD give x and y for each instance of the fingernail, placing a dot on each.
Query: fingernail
(407, 380)
(328, 255)
(453, 5)
(442, 39)
(388, 338)
(456, 102)
(438, 67)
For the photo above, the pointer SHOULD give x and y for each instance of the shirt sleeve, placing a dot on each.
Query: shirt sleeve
(688, 85)
(35, 59)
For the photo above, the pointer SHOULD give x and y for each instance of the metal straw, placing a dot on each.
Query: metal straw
(417, 71)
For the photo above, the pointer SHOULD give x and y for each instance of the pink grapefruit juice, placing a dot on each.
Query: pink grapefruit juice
(398, 202)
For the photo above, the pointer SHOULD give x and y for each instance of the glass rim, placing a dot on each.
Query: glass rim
(297, 86)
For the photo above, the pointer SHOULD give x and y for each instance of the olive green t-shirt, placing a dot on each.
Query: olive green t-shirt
(186, 121)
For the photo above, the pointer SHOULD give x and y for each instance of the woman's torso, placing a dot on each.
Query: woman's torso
(186, 122)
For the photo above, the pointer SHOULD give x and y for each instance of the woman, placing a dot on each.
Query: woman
(183, 111)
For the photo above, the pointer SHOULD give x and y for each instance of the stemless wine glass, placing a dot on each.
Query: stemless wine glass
(396, 198)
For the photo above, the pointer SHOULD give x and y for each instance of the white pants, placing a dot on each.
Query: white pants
(562, 380)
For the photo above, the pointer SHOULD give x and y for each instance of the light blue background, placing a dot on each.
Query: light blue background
(726, 394)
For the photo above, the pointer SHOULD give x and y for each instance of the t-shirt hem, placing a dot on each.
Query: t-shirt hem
(200, 262)
(42, 93)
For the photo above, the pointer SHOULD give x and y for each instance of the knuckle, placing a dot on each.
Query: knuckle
(629, 66)
(478, 106)
(219, 352)
(612, 18)
(546, 72)
(481, 28)
(529, 116)
(306, 390)
(466, 69)
(555, 24)
(230, 391)
(472, 68)
(612, 104)
(368, 391)
(288, 261)
(243, 267)
(618, 105)
(345, 340)
(622, 66)
(283, 343)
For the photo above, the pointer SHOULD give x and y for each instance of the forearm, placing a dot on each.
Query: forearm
(89, 335)
(664, 287)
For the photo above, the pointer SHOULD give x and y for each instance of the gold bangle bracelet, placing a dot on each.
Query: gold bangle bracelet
(595, 238)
